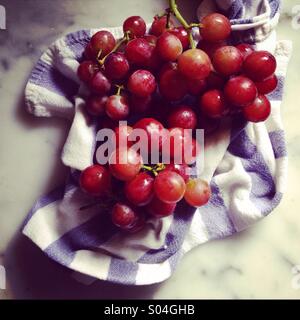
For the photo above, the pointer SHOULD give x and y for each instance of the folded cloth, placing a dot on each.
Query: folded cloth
(245, 162)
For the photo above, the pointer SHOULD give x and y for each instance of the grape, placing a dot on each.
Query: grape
(194, 64)
(197, 192)
(116, 66)
(138, 52)
(183, 148)
(160, 209)
(88, 52)
(196, 87)
(169, 46)
(141, 83)
(215, 27)
(181, 169)
(102, 41)
(99, 84)
(155, 131)
(117, 107)
(159, 25)
(245, 49)
(135, 25)
(140, 104)
(240, 91)
(267, 85)
(213, 104)
(172, 85)
(123, 216)
(182, 117)
(151, 39)
(259, 110)
(154, 63)
(139, 191)
(122, 133)
(95, 180)
(169, 186)
(259, 65)
(215, 81)
(210, 47)
(227, 60)
(182, 35)
(87, 70)
(95, 105)
(125, 164)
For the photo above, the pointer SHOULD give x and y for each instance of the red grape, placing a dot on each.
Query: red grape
(159, 25)
(245, 49)
(87, 70)
(156, 133)
(267, 85)
(139, 191)
(196, 87)
(227, 60)
(102, 41)
(194, 64)
(151, 39)
(125, 164)
(172, 85)
(213, 104)
(259, 65)
(182, 117)
(135, 25)
(123, 216)
(95, 180)
(181, 169)
(116, 66)
(117, 107)
(215, 81)
(88, 52)
(259, 110)
(140, 104)
(210, 47)
(95, 105)
(169, 46)
(141, 83)
(122, 133)
(240, 91)
(182, 35)
(197, 192)
(215, 27)
(160, 209)
(99, 84)
(169, 186)
(138, 52)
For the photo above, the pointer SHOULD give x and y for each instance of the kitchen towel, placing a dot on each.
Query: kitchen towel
(246, 164)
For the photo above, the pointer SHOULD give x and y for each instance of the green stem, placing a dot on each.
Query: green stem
(179, 17)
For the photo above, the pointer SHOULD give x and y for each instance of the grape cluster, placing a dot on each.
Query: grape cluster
(148, 75)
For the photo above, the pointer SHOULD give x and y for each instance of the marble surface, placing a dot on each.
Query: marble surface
(260, 262)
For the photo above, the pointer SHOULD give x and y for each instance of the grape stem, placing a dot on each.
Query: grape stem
(179, 17)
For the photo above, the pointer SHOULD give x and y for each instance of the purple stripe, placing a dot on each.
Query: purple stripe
(263, 193)
(277, 139)
(274, 4)
(277, 94)
(122, 271)
(77, 41)
(87, 236)
(47, 76)
(215, 215)
(175, 236)
(173, 260)
(43, 201)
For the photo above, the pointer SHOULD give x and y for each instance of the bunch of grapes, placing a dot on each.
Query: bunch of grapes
(147, 76)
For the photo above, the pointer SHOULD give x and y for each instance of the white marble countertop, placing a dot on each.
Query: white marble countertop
(257, 263)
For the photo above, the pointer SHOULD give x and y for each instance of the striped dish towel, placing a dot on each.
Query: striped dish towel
(245, 162)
